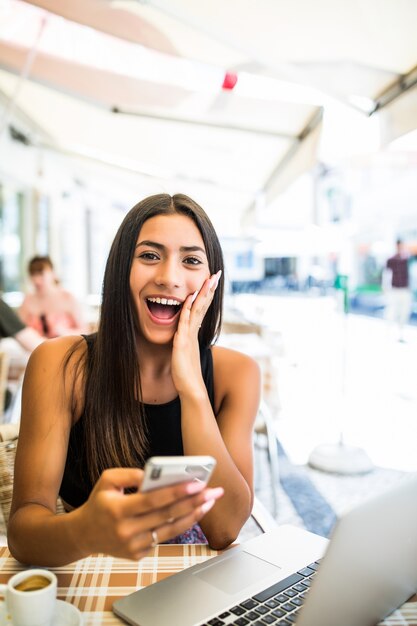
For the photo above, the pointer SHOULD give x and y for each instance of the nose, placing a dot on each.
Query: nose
(168, 274)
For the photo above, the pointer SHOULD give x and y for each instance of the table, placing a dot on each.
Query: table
(94, 583)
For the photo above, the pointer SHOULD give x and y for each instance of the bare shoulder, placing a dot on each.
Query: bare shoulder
(237, 388)
(28, 301)
(68, 295)
(235, 374)
(225, 358)
(54, 377)
(50, 355)
(55, 348)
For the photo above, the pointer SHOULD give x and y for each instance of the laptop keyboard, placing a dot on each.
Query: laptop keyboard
(278, 604)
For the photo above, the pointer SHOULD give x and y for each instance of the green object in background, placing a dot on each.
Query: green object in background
(341, 282)
(368, 289)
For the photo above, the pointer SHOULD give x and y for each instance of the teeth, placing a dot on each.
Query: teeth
(165, 301)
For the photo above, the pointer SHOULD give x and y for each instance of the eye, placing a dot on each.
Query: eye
(148, 256)
(192, 260)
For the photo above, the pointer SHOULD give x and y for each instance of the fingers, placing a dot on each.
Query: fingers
(135, 535)
(143, 540)
(163, 499)
(214, 280)
(120, 478)
(193, 505)
(179, 525)
(197, 304)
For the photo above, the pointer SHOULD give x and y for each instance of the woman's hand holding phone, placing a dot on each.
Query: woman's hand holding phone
(128, 525)
(162, 471)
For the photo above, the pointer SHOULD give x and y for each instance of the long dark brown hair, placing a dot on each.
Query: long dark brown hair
(114, 421)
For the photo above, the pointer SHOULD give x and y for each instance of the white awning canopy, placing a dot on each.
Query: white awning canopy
(139, 85)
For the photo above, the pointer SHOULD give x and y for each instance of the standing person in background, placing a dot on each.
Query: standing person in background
(12, 326)
(150, 382)
(397, 281)
(50, 310)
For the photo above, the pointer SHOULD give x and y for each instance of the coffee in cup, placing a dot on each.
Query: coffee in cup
(33, 583)
(30, 597)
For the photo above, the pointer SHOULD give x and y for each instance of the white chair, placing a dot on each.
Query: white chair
(12, 415)
(264, 425)
(262, 517)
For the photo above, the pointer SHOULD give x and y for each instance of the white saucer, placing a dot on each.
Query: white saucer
(66, 614)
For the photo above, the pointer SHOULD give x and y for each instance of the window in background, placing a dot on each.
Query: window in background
(42, 236)
(101, 226)
(11, 230)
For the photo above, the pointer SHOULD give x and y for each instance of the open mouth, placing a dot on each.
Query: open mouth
(163, 308)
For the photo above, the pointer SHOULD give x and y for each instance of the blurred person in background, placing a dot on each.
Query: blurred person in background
(50, 310)
(396, 284)
(12, 326)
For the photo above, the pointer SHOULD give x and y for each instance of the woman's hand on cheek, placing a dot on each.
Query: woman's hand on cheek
(186, 369)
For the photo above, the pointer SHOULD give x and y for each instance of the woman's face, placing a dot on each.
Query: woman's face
(43, 281)
(169, 264)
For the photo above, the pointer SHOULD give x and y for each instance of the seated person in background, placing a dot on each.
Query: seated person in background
(50, 310)
(12, 326)
(149, 382)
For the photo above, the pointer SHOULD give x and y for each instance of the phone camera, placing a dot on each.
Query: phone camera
(155, 473)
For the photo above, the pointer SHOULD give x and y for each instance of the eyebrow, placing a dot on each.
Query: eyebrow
(160, 246)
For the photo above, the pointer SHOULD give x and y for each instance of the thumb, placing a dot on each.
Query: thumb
(120, 478)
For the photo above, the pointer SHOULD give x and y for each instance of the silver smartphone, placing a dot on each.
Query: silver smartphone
(163, 471)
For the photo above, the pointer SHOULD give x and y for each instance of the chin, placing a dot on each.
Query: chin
(161, 338)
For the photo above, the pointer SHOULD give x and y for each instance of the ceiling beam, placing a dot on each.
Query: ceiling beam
(103, 17)
(226, 125)
(279, 170)
(307, 130)
(396, 89)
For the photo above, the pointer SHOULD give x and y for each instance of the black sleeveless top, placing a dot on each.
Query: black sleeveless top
(163, 433)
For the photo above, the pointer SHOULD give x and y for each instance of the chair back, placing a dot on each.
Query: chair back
(8, 443)
(4, 371)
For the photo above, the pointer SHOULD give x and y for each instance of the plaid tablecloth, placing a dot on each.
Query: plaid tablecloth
(94, 583)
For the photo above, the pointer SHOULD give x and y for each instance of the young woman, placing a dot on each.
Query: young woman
(149, 382)
(50, 310)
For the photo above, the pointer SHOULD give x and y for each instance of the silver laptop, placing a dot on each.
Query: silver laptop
(369, 568)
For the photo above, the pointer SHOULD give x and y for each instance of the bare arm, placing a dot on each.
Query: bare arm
(228, 435)
(110, 521)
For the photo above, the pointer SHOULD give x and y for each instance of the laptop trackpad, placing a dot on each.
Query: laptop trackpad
(234, 574)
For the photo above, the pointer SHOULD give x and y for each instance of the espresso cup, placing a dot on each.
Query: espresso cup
(30, 597)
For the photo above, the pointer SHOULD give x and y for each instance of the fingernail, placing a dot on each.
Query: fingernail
(207, 506)
(195, 294)
(215, 280)
(214, 493)
(194, 487)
